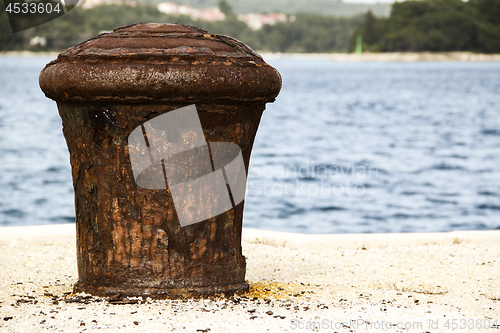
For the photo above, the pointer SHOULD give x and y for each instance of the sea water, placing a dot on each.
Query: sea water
(346, 147)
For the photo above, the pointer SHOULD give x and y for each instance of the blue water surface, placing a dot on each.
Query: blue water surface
(346, 147)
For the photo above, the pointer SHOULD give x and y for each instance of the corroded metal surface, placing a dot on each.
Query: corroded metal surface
(160, 62)
(129, 240)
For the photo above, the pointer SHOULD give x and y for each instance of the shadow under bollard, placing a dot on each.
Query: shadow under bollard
(159, 187)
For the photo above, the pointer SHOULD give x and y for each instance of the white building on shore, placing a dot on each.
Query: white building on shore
(210, 14)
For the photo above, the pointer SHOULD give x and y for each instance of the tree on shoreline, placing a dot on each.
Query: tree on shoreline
(436, 26)
(413, 26)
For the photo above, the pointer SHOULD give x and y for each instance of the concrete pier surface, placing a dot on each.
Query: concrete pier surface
(432, 282)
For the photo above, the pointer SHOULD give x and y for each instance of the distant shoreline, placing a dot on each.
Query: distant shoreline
(342, 57)
(389, 56)
(26, 54)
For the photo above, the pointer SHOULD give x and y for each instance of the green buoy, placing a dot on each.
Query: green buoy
(359, 44)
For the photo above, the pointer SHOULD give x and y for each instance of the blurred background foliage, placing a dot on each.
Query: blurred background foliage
(413, 26)
(435, 25)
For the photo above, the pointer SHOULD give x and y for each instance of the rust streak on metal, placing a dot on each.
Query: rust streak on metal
(129, 240)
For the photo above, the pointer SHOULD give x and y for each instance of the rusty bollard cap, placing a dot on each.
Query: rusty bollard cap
(151, 62)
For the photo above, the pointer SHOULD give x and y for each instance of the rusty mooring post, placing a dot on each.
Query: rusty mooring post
(160, 121)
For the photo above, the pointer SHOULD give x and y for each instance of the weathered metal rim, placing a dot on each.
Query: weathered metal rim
(80, 51)
(152, 100)
(187, 73)
(161, 293)
(160, 57)
(75, 82)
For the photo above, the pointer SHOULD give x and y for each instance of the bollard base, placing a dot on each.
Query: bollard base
(161, 293)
